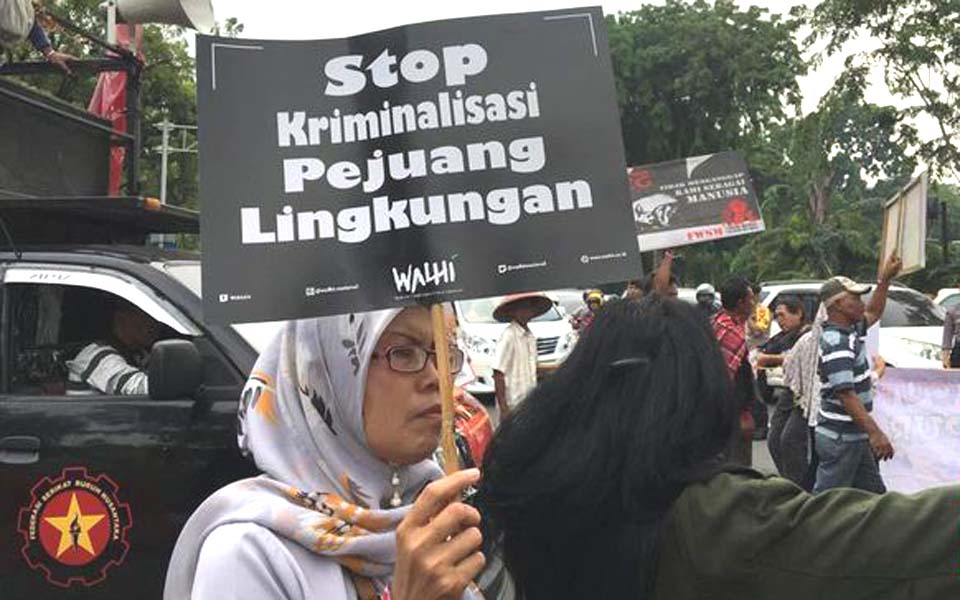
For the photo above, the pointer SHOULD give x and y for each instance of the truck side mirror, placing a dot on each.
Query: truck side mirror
(175, 370)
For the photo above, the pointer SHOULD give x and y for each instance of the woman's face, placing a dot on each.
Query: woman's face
(401, 411)
(787, 320)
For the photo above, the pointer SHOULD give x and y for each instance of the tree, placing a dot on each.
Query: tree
(822, 217)
(919, 52)
(695, 78)
(846, 139)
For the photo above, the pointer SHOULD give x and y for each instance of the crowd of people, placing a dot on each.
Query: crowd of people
(625, 473)
(807, 390)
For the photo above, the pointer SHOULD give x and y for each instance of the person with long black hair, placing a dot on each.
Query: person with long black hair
(606, 483)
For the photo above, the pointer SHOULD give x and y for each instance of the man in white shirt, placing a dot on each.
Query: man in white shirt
(116, 365)
(515, 364)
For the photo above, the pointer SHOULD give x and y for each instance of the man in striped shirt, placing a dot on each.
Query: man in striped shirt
(115, 366)
(848, 441)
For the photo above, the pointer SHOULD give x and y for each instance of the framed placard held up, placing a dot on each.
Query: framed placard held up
(905, 226)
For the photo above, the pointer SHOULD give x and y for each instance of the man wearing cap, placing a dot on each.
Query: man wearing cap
(848, 441)
(515, 364)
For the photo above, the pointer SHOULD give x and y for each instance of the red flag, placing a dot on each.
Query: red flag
(109, 101)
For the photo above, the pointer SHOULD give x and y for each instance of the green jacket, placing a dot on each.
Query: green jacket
(744, 536)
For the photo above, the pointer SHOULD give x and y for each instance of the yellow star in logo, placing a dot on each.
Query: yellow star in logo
(74, 528)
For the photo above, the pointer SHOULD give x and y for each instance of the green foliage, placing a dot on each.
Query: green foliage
(74, 89)
(168, 90)
(229, 28)
(694, 78)
(822, 217)
(919, 52)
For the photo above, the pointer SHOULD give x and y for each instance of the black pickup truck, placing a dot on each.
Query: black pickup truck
(97, 487)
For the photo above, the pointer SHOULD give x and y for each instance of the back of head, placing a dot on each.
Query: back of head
(734, 290)
(578, 480)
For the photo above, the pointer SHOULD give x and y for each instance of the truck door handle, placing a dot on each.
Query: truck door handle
(19, 450)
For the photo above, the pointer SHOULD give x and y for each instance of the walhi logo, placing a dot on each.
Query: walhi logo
(410, 279)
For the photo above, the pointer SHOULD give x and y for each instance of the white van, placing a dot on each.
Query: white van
(479, 333)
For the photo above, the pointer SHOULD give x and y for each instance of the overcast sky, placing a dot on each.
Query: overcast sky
(312, 19)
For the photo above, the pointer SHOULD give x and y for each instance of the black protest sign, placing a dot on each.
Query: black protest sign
(444, 160)
(692, 200)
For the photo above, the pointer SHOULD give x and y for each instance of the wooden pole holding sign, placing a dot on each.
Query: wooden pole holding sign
(451, 462)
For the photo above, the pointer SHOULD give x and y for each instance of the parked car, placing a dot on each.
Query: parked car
(909, 332)
(569, 301)
(479, 332)
(948, 298)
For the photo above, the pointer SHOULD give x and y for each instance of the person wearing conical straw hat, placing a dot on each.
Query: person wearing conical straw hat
(515, 364)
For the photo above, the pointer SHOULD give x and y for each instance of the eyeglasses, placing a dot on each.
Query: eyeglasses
(412, 359)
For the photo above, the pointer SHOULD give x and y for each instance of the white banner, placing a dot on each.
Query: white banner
(919, 410)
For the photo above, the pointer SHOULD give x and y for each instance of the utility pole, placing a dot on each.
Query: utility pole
(164, 151)
(186, 145)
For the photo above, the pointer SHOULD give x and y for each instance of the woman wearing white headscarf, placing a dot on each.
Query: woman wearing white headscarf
(341, 414)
